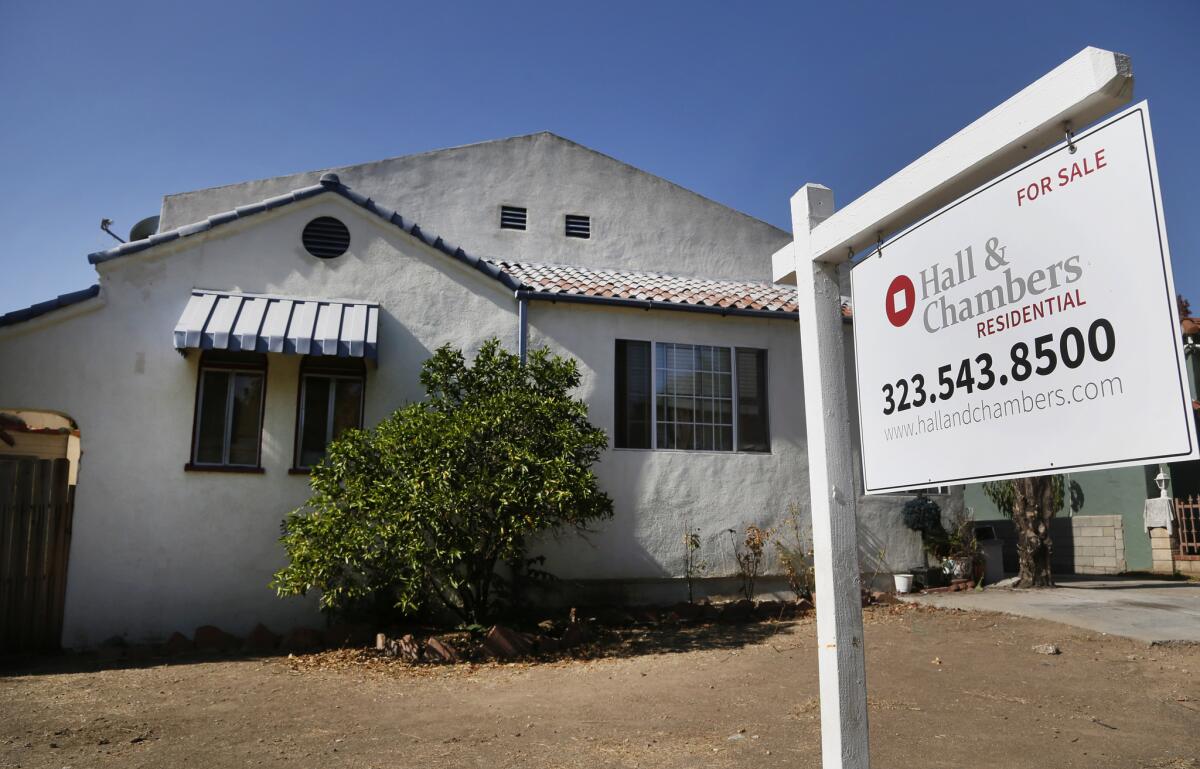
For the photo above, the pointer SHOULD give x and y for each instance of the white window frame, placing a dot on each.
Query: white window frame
(732, 399)
(733, 373)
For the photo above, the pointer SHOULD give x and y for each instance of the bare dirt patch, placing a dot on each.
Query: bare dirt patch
(947, 689)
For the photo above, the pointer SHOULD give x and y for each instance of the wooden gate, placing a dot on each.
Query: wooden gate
(36, 505)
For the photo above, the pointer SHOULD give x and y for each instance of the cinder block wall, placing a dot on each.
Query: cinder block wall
(1086, 544)
(1097, 544)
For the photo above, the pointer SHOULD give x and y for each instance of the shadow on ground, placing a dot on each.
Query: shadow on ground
(666, 639)
(67, 662)
(607, 642)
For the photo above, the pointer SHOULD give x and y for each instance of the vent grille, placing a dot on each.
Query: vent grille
(326, 237)
(513, 217)
(579, 226)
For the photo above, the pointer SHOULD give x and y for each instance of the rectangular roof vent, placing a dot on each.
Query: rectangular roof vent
(579, 226)
(513, 217)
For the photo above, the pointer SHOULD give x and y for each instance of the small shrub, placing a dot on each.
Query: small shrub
(796, 556)
(693, 564)
(749, 556)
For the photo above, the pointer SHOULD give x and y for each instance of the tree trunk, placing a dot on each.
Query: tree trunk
(1033, 508)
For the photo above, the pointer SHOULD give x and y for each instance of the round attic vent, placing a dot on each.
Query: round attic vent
(326, 237)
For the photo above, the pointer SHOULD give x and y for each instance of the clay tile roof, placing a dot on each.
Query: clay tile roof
(652, 287)
(541, 280)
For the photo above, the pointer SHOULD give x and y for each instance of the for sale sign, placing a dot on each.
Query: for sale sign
(1029, 328)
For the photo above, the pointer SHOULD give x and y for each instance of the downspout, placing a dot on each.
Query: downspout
(522, 327)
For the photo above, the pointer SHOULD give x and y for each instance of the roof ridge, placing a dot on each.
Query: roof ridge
(347, 166)
(204, 225)
(645, 290)
(329, 183)
(664, 179)
(515, 137)
(648, 273)
(50, 305)
(740, 297)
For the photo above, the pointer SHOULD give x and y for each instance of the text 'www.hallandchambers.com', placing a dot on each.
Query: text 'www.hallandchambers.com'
(995, 410)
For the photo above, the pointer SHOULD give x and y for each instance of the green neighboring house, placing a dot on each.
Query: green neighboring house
(1105, 532)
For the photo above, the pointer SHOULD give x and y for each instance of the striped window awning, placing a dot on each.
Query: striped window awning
(226, 320)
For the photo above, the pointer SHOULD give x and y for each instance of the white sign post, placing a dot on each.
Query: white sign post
(1086, 87)
(1028, 328)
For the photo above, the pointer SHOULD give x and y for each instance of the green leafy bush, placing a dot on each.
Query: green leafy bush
(923, 515)
(422, 509)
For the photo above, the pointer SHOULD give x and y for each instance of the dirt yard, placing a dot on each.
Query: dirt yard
(947, 689)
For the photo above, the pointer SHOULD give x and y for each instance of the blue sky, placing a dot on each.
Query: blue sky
(105, 107)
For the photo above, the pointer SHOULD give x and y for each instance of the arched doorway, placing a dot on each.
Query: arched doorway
(39, 459)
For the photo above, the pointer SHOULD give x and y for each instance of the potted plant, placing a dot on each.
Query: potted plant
(962, 553)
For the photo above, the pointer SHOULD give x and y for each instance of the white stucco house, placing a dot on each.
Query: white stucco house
(217, 357)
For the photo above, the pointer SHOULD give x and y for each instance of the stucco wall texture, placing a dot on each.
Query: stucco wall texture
(639, 221)
(156, 548)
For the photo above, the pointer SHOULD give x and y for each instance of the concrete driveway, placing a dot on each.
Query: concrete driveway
(1153, 611)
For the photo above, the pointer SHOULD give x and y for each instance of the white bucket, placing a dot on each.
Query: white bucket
(903, 582)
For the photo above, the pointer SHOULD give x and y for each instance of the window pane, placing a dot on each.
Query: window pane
(210, 422)
(753, 433)
(724, 412)
(687, 384)
(314, 420)
(689, 377)
(633, 395)
(347, 405)
(247, 410)
(721, 384)
(683, 436)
